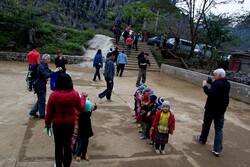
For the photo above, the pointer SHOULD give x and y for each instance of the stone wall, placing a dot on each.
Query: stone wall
(238, 91)
(15, 56)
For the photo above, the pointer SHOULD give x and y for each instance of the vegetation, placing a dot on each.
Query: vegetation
(20, 28)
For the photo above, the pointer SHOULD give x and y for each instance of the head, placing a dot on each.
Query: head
(46, 58)
(34, 46)
(219, 73)
(146, 55)
(112, 56)
(159, 101)
(59, 53)
(152, 98)
(64, 82)
(165, 106)
(99, 51)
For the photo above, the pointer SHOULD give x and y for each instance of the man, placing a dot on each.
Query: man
(215, 108)
(43, 73)
(143, 64)
(60, 61)
(129, 43)
(109, 73)
(122, 60)
(33, 58)
(117, 34)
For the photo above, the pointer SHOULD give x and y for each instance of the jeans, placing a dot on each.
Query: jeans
(107, 92)
(218, 127)
(97, 73)
(82, 147)
(39, 105)
(62, 139)
(142, 74)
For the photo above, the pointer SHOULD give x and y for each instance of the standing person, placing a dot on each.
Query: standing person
(122, 60)
(129, 43)
(98, 63)
(109, 73)
(145, 36)
(60, 61)
(33, 58)
(143, 64)
(125, 36)
(117, 34)
(61, 113)
(85, 128)
(135, 41)
(116, 52)
(109, 52)
(215, 108)
(43, 73)
(163, 125)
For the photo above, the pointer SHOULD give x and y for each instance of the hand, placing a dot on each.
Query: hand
(204, 83)
(58, 69)
(84, 94)
(110, 81)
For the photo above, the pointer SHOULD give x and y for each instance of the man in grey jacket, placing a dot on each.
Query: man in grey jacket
(109, 73)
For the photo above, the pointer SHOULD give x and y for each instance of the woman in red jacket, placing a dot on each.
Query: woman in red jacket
(61, 112)
(163, 124)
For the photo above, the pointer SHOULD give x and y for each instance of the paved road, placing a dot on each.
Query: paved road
(116, 141)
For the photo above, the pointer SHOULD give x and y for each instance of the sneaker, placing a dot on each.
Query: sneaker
(157, 152)
(86, 157)
(215, 153)
(54, 164)
(34, 115)
(99, 99)
(197, 138)
(109, 100)
(143, 138)
(163, 152)
(78, 159)
(41, 117)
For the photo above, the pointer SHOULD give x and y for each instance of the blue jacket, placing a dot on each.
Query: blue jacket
(122, 59)
(43, 73)
(98, 61)
(109, 71)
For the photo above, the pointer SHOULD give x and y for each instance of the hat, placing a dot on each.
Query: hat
(141, 87)
(152, 97)
(146, 89)
(45, 56)
(166, 103)
(159, 101)
(88, 106)
(220, 71)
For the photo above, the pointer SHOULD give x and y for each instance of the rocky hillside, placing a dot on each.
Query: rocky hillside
(69, 13)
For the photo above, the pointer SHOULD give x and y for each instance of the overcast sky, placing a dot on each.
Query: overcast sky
(232, 7)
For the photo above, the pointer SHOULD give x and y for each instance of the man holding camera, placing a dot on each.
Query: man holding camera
(215, 108)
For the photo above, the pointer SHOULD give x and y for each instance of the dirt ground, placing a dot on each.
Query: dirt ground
(116, 141)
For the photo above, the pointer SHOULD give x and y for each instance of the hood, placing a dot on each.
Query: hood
(65, 98)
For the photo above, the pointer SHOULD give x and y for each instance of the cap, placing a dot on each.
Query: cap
(166, 103)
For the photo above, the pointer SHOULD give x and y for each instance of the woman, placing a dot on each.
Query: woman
(60, 111)
(98, 62)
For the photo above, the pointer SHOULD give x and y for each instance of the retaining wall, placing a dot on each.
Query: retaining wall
(238, 91)
(15, 56)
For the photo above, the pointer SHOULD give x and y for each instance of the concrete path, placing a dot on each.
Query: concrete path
(116, 141)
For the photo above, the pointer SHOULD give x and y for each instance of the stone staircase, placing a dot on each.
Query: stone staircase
(132, 57)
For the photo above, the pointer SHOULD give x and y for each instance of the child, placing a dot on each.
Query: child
(85, 128)
(146, 116)
(163, 124)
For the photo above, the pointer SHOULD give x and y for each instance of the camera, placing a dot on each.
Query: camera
(209, 80)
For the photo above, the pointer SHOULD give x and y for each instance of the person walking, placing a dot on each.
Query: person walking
(60, 61)
(215, 108)
(122, 60)
(143, 64)
(43, 73)
(33, 58)
(135, 42)
(98, 63)
(109, 73)
(61, 114)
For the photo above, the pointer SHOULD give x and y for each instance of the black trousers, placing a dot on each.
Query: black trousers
(62, 139)
(120, 67)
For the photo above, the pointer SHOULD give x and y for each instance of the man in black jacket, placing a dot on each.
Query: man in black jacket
(143, 63)
(60, 61)
(215, 108)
